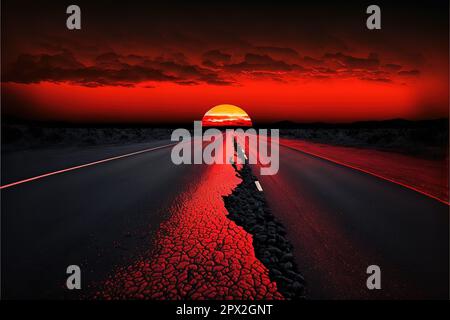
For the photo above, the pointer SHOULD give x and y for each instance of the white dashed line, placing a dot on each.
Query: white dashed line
(258, 186)
(243, 152)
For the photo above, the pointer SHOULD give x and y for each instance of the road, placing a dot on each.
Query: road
(339, 221)
(96, 216)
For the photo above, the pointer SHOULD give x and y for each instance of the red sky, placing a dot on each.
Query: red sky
(174, 63)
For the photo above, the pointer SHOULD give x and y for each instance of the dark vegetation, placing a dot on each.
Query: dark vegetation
(24, 135)
(428, 138)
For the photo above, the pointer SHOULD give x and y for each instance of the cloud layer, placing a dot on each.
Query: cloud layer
(214, 67)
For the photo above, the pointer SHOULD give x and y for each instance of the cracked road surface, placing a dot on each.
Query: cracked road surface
(142, 227)
(198, 252)
(340, 221)
(139, 227)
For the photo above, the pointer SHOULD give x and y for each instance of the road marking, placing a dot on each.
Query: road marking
(368, 172)
(84, 165)
(258, 186)
(243, 155)
(243, 152)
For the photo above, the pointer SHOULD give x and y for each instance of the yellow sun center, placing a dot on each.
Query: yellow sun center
(226, 115)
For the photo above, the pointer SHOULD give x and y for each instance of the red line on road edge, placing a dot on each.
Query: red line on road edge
(83, 165)
(368, 172)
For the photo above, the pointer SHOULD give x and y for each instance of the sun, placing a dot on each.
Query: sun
(226, 115)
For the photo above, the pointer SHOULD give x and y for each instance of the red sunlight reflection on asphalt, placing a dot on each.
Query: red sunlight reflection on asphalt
(425, 176)
(199, 253)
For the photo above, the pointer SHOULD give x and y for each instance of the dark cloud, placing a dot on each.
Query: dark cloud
(109, 60)
(107, 69)
(214, 58)
(215, 80)
(386, 80)
(62, 60)
(392, 67)
(409, 73)
(352, 62)
(65, 68)
(279, 53)
(217, 67)
(310, 61)
(255, 62)
(414, 59)
(177, 57)
(210, 64)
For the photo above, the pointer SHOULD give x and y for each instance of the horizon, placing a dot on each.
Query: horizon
(149, 69)
(14, 120)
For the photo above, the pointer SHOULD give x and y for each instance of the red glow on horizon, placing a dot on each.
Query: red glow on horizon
(265, 101)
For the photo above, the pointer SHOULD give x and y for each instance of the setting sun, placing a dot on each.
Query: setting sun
(226, 115)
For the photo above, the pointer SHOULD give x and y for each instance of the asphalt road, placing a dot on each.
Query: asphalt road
(339, 221)
(95, 217)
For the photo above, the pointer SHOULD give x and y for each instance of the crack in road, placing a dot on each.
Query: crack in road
(247, 207)
(198, 254)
